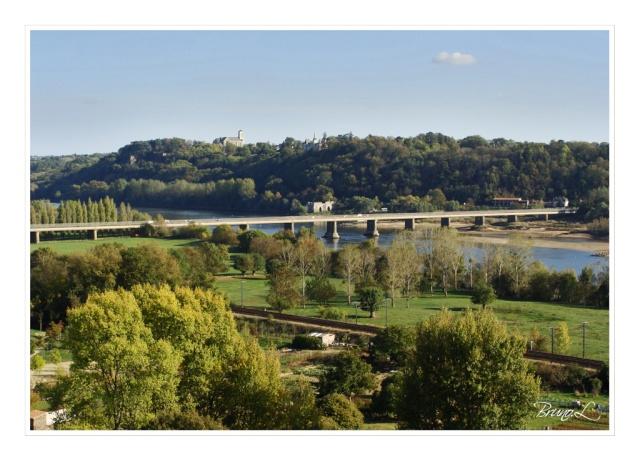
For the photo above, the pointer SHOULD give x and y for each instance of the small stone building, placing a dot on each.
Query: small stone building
(327, 338)
(319, 207)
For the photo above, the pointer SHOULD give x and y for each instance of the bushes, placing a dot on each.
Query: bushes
(192, 232)
(347, 374)
(185, 421)
(382, 402)
(340, 413)
(571, 378)
(37, 362)
(306, 342)
(599, 227)
(331, 313)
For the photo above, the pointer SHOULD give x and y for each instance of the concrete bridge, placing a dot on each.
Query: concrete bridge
(331, 220)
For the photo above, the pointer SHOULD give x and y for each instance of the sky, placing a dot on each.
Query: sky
(96, 91)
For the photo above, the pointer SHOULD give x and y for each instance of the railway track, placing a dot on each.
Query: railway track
(371, 330)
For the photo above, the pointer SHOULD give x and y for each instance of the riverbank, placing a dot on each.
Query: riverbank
(544, 234)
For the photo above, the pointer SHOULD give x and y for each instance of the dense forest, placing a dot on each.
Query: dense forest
(420, 173)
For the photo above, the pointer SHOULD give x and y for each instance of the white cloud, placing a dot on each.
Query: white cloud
(455, 59)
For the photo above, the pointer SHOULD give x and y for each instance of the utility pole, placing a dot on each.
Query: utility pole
(552, 330)
(584, 327)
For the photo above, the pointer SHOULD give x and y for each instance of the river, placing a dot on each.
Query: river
(553, 258)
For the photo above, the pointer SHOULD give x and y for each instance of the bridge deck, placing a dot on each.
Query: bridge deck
(172, 223)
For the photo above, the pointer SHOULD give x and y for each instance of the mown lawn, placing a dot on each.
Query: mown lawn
(76, 246)
(519, 316)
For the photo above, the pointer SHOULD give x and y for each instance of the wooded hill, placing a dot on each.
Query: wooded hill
(403, 174)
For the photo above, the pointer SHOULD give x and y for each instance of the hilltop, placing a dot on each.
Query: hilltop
(428, 171)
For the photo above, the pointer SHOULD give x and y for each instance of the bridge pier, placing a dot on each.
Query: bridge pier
(93, 234)
(480, 220)
(289, 226)
(372, 228)
(332, 231)
(444, 222)
(544, 217)
(35, 236)
(243, 227)
(512, 218)
(410, 224)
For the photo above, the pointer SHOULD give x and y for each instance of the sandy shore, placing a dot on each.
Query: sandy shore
(541, 234)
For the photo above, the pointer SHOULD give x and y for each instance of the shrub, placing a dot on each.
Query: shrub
(224, 235)
(341, 413)
(306, 342)
(321, 289)
(382, 402)
(189, 420)
(347, 374)
(37, 362)
(540, 342)
(562, 338)
(594, 385)
(54, 356)
(603, 376)
(599, 227)
(570, 378)
(192, 232)
(331, 313)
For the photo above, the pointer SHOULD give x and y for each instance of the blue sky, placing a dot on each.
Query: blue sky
(95, 91)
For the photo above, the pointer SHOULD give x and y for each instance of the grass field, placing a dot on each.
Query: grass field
(561, 400)
(520, 316)
(76, 246)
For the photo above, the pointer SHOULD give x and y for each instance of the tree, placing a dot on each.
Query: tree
(300, 411)
(562, 338)
(282, 292)
(49, 285)
(348, 261)
(518, 259)
(245, 238)
(224, 235)
(466, 372)
(347, 374)
(259, 263)
(483, 294)
(243, 263)
(447, 255)
(426, 245)
(340, 413)
(370, 299)
(305, 258)
(147, 264)
(391, 347)
(321, 289)
(130, 374)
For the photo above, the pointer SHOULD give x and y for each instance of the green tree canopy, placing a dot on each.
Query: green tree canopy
(466, 372)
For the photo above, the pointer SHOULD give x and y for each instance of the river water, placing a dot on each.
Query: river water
(553, 258)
